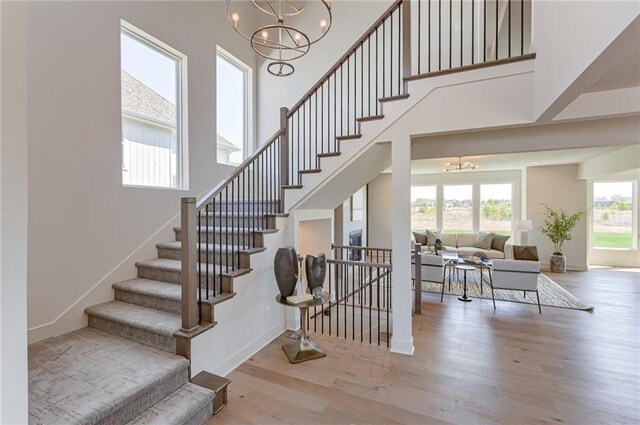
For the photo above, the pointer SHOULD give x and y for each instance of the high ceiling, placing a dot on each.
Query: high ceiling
(512, 161)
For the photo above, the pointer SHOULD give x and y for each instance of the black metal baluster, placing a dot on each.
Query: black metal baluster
(509, 24)
(377, 83)
(419, 33)
(388, 306)
(440, 35)
(370, 299)
(461, 32)
(330, 307)
(450, 33)
(378, 300)
(497, 13)
(206, 211)
(391, 55)
(361, 305)
(473, 47)
(484, 29)
(522, 27)
(428, 36)
(399, 48)
(199, 265)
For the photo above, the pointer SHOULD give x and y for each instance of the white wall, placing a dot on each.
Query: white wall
(559, 187)
(13, 214)
(568, 36)
(380, 211)
(84, 226)
(350, 19)
(342, 237)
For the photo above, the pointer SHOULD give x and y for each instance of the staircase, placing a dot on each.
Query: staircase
(123, 368)
(131, 363)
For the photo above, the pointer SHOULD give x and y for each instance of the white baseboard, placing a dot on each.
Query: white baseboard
(401, 346)
(570, 267)
(243, 354)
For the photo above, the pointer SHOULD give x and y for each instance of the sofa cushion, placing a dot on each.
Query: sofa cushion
(448, 239)
(483, 240)
(499, 241)
(466, 251)
(466, 239)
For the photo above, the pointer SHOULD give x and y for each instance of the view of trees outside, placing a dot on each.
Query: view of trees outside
(612, 215)
(496, 208)
(457, 211)
(423, 208)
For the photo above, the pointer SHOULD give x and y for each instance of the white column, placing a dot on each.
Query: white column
(402, 339)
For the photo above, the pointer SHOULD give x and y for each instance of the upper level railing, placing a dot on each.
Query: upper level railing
(411, 40)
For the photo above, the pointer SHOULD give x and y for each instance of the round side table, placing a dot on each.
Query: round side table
(465, 268)
(304, 349)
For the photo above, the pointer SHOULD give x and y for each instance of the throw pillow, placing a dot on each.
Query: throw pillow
(483, 240)
(499, 241)
(431, 238)
(420, 238)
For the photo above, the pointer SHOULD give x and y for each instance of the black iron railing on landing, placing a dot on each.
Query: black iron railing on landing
(360, 304)
(411, 40)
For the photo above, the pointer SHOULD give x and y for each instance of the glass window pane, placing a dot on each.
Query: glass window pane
(230, 111)
(423, 208)
(150, 137)
(457, 211)
(613, 215)
(496, 208)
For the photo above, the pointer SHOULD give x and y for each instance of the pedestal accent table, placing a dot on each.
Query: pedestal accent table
(304, 349)
(465, 268)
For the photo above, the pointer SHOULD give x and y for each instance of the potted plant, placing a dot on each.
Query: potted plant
(557, 226)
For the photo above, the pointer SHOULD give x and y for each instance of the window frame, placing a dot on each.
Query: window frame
(634, 215)
(182, 139)
(513, 206)
(247, 109)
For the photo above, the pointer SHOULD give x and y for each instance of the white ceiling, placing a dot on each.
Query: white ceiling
(512, 161)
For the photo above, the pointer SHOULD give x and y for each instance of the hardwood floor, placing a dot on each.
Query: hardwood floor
(471, 366)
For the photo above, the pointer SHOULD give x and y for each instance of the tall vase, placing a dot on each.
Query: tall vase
(285, 268)
(315, 270)
(558, 263)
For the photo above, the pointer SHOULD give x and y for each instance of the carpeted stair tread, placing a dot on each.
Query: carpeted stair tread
(177, 245)
(164, 290)
(88, 375)
(176, 266)
(189, 404)
(135, 316)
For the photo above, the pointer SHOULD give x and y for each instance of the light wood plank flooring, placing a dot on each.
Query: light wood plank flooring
(471, 366)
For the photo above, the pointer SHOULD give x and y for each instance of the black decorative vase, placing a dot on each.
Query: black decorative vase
(285, 267)
(316, 270)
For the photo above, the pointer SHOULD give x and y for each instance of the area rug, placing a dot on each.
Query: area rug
(551, 294)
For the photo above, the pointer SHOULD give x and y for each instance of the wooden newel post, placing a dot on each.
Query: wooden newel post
(189, 249)
(406, 41)
(418, 279)
(284, 154)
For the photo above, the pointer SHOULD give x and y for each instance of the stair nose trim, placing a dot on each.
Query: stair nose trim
(370, 118)
(348, 137)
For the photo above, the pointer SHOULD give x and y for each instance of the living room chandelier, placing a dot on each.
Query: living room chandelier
(459, 166)
(283, 41)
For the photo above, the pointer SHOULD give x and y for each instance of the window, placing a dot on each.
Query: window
(613, 215)
(457, 209)
(496, 209)
(232, 117)
(423, 208)
(153, 134)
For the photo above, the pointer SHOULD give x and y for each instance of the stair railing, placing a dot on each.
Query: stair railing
(360, 303)
(222, 224)
(373, 68)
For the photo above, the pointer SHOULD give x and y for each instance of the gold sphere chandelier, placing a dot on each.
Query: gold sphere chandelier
(283, 40)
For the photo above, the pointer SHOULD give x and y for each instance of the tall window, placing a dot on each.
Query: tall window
(457, 209)
(496, 209)
(613, 215)
(153, 134)
(423, 208)
(232, 110)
